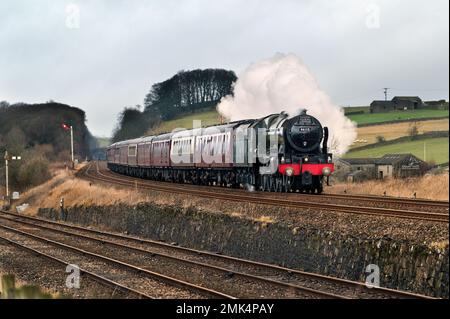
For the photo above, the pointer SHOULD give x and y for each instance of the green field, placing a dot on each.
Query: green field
(103, 141)
(207, 118)
(436, 150)
(396, 115)
(353, 109)
(212, 117)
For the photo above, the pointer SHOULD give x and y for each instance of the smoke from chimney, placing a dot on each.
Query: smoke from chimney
(283, 83)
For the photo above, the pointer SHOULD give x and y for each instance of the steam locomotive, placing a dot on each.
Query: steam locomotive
(274, 153)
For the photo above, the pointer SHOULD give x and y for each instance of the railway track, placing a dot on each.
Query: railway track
(113, 285)
(414, 204)
(268, 200)
(359, 200)
(238, 277)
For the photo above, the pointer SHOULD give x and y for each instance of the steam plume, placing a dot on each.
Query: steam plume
(283, 83)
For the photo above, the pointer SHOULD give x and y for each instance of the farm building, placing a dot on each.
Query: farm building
(390, 165)
(398, 103)
(399, 166)
(356, 164)
(356, 169)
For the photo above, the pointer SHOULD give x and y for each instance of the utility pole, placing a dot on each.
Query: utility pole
(7, 159)
(386, 93)
(7, 174)
(71, 145)
(67, 127)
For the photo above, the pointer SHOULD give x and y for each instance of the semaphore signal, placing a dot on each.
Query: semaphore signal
(67, 127)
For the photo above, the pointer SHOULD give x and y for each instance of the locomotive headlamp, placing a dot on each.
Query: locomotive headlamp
(306, 159)
(289, 171)
(326, 171)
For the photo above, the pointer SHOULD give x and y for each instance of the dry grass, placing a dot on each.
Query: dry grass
(392, 131)
(80, 192)
(433, 187)
(75, 192)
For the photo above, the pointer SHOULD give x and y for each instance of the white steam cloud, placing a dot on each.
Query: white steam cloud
(284, 83)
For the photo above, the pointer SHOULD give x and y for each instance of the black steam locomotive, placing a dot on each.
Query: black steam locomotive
(274, 153)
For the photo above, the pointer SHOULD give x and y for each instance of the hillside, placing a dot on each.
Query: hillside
(207, 118)
(360, 115)
(367, 118)
(40, 124)
(432, 150)
(370, 134)
(34, 132)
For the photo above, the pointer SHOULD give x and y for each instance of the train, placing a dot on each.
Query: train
(276, 153)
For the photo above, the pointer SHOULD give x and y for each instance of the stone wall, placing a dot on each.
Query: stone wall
(402, 265)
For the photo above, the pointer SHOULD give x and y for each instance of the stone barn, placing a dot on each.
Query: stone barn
(398, 103)
(388, 166)
(399, 166)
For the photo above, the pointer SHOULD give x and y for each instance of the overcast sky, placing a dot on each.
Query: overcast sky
(103, 55)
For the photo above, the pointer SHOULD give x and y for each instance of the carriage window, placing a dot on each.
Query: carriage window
(132, 151)
(211, 145)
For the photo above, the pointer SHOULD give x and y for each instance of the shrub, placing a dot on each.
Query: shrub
(33, 172)
(413, 130)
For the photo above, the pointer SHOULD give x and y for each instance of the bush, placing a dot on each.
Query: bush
(381, 139)
(33, 172)
(413, 130)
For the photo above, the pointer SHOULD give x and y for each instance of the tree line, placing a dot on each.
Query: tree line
(34, 132)
(185, 92)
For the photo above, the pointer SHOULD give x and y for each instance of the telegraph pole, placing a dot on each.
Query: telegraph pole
(7, 159)
(67, 127)
(386, 93)
(7, 174)
(71, 145)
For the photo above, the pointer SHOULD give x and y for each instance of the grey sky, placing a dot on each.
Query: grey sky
(122, 47)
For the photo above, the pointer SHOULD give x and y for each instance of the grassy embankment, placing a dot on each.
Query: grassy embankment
(75, 192)
(435, 187)
(80, 192)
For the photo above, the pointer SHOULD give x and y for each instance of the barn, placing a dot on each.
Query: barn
(398, 103)
(399, 166)
(388, 166)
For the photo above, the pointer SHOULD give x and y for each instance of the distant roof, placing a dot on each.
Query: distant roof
(396, 98)
(394, 158)
(406, 98)
(382, 102)
(388, 159)
(358, 161)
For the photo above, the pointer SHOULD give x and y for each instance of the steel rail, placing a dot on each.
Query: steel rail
(224, 271)
(364, 198)
(228, 259)
(98, 278)
(360, 210)
(170, 280)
